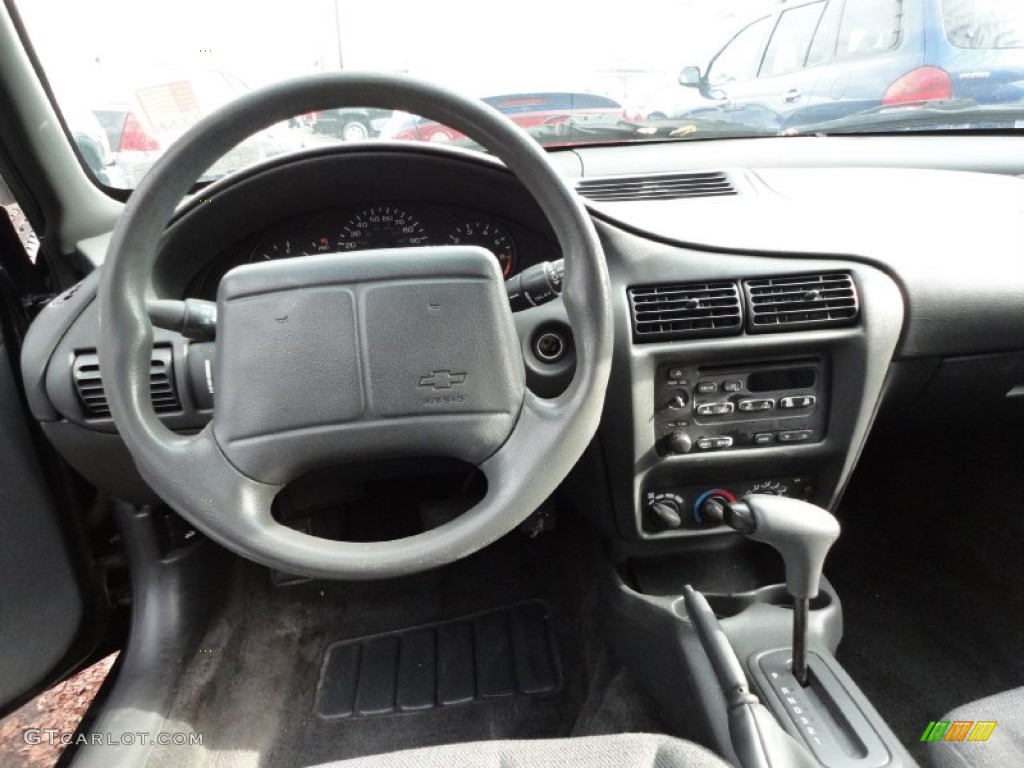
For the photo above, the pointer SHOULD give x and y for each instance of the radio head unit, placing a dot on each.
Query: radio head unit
(716, 408)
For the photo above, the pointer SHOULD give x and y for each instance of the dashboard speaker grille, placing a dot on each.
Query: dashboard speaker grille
(661, 186)
(162, 388)
(799, 302)
(685, 311)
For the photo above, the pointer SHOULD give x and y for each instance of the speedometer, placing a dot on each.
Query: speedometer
(382, 226)
(489, 235)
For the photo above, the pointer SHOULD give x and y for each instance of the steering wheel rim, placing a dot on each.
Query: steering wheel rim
(194, 474)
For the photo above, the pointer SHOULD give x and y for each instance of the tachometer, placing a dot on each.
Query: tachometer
(382, 226)
(489, 235)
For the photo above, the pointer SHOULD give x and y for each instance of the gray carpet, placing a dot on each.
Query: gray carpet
(929, 572)
(251, 689)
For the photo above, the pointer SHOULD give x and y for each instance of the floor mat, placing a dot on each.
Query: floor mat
(496, 653)
(254, 694)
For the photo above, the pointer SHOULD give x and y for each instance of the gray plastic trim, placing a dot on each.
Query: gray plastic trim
(662, 648)
(41, 151)
(962, 284)
(852, 704)
(43, 338)
(859, 357)
(172, 603)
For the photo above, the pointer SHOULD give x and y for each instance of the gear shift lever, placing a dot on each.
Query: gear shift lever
(802, 533)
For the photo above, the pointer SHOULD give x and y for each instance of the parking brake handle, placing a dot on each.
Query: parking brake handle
(756, 736)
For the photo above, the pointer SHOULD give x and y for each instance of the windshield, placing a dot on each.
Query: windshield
(130, 77)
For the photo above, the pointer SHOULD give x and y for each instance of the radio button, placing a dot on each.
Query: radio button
(763, 404)
(764, 438)
(798, 401)
(714, 409)
(705, 387)
(675, 374)
(733, 385)
(794, 436)
(714, 443)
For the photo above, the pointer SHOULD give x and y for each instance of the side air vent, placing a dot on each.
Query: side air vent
(800, 302)
(686, 311)
(163, 390)
(660, 186)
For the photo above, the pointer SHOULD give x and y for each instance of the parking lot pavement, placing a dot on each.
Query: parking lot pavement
(60, 708)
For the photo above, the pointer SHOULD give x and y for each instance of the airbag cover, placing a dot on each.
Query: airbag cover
(387, 353)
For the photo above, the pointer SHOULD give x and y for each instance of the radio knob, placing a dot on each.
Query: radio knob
(679, 442)
(678, 401)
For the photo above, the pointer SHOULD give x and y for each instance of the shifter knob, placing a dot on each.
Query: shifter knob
(802, 533)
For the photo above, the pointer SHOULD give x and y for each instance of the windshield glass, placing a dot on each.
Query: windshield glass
(130, 77)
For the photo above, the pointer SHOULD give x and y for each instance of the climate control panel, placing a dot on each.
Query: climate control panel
(703, 409)
(683, 507)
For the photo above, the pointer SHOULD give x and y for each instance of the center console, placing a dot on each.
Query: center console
(735, 373)
(709, 402)
(716, 408)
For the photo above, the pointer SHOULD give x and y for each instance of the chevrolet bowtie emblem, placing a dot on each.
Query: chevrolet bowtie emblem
(442, 379)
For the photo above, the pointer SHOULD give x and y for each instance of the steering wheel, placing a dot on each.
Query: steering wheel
(337, 357)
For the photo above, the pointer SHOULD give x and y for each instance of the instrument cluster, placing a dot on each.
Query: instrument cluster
(378, 225)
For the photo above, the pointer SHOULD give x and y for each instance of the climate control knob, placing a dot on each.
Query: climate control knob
(679, 442)
(710, 505)
(666, 513)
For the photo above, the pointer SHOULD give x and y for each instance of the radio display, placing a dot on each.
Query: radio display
(782, 378)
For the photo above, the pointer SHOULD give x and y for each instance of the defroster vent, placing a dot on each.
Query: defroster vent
(658, 186)
(162, 387)
(685, 311)
(800, 302)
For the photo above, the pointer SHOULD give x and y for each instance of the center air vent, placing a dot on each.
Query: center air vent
(799, 302)
(659, 186)
(162, 388)
(686, 311)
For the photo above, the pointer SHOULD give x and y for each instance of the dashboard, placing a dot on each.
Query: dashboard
(868, 308)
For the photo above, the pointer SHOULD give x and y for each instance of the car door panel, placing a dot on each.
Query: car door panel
(785, 84)
(850, 75)
(41, 604)
(731, 73)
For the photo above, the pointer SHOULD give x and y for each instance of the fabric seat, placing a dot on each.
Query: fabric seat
(1005, 747)
(628, 750)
